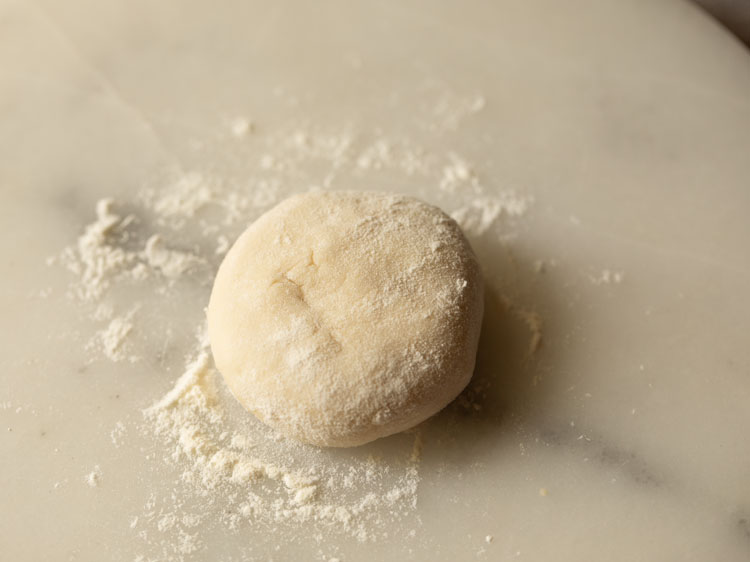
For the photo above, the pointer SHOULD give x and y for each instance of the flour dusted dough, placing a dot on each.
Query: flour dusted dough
(341, 317)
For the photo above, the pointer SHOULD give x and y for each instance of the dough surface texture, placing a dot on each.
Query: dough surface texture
(341, 317)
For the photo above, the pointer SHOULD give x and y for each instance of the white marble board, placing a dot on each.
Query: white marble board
(622, 128)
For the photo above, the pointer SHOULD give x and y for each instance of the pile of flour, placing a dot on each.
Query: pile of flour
(233, 471)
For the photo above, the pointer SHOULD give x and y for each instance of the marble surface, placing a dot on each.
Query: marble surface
(623, 437)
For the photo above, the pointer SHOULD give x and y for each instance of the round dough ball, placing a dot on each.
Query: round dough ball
(341, 317)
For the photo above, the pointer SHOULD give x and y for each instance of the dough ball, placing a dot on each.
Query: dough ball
(341, 317)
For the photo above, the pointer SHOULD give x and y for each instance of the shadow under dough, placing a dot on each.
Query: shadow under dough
(514, 373)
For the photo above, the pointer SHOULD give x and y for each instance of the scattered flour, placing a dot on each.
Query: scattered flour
(452, 109)
(222, 245)
(458, 173)
(111, 340)
(171, 263)
(179, 201)
(96, 259)
(241, 126)
(606, 276)
(265, 487)
(233, 471)
(113, 337)
(117, 434)
(482, 213)
(94, 477)
(534, 323)
(105, 257)
(101, 258)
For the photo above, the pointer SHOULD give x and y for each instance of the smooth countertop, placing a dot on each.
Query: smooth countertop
(606, 143)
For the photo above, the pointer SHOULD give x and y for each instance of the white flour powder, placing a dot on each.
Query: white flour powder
(112, 338)
(477, 217)
(606, 276)
(246, 468)
(93, 477)
(94, 259)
